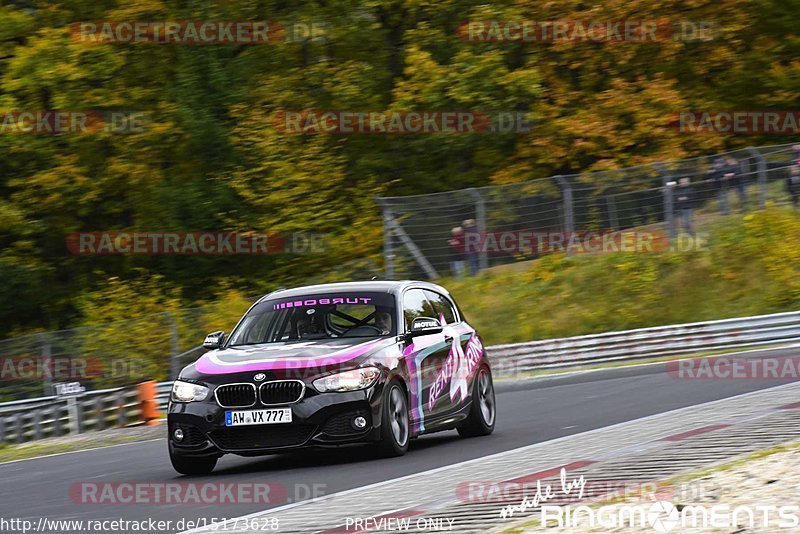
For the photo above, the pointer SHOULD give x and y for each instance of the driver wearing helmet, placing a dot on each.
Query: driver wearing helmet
(383, 321)
(308, 327)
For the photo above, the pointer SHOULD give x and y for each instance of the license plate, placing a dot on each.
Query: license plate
(258, 417)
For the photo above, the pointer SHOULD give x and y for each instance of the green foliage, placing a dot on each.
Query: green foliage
(210, 157)
(751, 266)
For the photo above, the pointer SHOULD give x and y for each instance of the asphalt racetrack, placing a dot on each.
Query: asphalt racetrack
(529, 412)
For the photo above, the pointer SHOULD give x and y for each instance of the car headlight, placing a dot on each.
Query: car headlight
(188, 392)
(348, 380)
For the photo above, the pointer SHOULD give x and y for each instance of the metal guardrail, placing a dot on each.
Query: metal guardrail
(34, 419)
(644, 343)
(45, 417)
(163, 389)
(52, 417)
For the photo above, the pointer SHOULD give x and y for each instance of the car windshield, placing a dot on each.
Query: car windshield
(317, 316)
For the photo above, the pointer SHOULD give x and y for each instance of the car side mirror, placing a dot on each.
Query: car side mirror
(423, 326)
(214, 340)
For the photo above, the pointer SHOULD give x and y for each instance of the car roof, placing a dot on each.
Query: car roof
(381, 286)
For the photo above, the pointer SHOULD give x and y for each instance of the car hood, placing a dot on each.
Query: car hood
(291, 355)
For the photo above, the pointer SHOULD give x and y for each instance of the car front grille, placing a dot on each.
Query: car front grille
(281, 392)
(261, 437)
(236, 395)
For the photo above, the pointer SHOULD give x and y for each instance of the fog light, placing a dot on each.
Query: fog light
(178, 434)
(359, 422)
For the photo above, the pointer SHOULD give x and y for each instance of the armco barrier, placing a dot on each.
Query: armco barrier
(44, 417)
(52, 417)
(644, 343)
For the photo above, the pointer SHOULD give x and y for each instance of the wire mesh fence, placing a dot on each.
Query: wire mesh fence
(457, 232)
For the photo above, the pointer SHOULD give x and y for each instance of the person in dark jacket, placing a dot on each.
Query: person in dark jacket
(684, 204)
(472, 246)
(726, 173)
(739, 182)
(456, 243)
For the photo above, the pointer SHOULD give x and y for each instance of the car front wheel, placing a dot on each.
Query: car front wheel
(483, 412)
(188, 465)
(394, 421)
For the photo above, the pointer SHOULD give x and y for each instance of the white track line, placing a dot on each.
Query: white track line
(211, 527)
(82, 450)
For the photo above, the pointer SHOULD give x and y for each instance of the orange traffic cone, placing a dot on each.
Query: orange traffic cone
(147, 401)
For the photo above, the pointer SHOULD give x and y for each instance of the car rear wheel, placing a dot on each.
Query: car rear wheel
(187, 465)
(483, 412)
(394, 421)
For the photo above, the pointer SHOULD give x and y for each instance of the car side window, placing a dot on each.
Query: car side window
(442, 306)
(415, 304)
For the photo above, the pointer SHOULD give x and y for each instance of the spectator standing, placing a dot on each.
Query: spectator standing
(684, 203)
(716, 174)
(456, 243)
(725, 172)
(472, 243)
(739, 182)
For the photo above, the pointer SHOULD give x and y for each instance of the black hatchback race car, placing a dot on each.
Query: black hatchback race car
(330, 365)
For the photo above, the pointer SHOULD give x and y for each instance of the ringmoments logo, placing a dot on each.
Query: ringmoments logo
(664, 516)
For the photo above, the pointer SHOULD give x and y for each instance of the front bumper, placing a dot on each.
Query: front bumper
(319, 420)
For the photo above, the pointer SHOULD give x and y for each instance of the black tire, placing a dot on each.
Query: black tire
(395, 422)
(483, 411)
(192, 465)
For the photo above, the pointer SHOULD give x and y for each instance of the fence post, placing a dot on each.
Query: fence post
(55, 411)
(120, 402)
(47, 355)
(388, 246)
(20, 437)
(37, 424)
(174, 363)
(75, 415)
(611, 202)
(569, 214)
(762, 176)
(423, 262)
(2, 429)
(667, 192)
(99, 413)
(480, 219)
